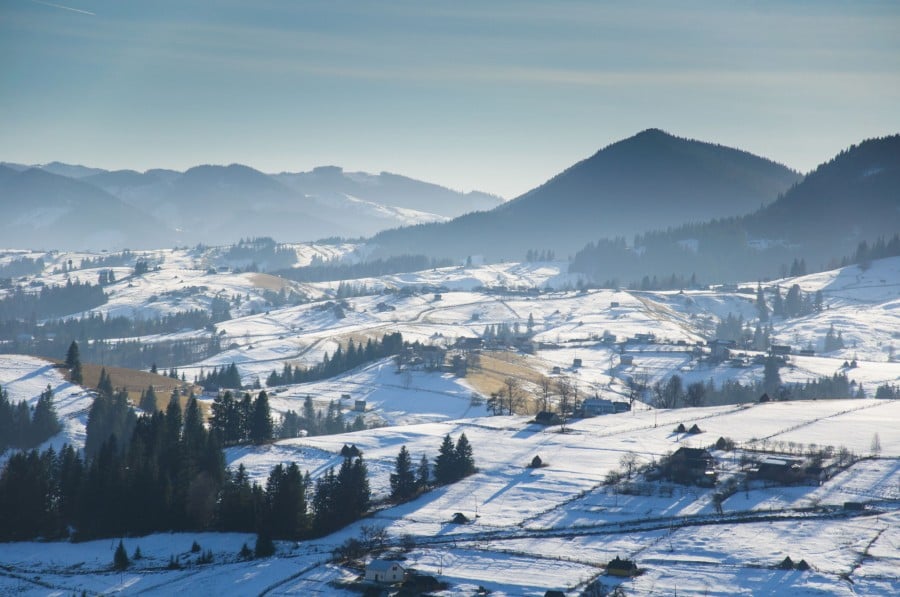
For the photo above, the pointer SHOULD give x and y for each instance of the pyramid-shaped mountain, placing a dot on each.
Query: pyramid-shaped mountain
(650, 180)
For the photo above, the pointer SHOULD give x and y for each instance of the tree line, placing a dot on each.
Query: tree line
(23, 427)
(51, 301)
(672, 392)
(342, 360)
(333, 270)
(163, 471)
(95, 326)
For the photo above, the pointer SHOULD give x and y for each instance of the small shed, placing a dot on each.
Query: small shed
(385, 571)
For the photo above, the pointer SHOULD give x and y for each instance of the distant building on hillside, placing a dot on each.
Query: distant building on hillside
(385, 571)
(593, 407)
(690, 466)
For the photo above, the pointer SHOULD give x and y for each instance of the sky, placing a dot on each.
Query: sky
(494, 96)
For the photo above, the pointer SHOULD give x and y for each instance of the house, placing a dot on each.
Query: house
(547, 418)
(779, 349)
(780, 470)
(690, 466)
(593, 407)
(645, 338)
(556, 371)
(469, 343)
(576, 363)
(608, 338)
(626, 360)
(619, 567)
(614, 304)
(719, 350)
(359, 406)
(385, 571)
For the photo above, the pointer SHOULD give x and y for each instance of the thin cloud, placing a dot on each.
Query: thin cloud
(84, 12)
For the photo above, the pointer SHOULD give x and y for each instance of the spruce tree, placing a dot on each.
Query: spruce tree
(403, 479)
(445, 464)
(465, 459)
(148, 400)
(261, 426)
(44, 423)
(72, 355)
(423, 473)
(120, 558)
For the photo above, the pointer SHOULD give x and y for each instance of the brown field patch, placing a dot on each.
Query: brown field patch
(135, 381)
(268, 281)
(495, 367)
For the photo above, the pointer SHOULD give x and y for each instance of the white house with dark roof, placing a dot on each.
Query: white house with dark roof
(385, 571)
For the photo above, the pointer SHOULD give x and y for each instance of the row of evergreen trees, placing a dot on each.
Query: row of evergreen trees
(51, 301)
(23, 427)
(317, 421)
(342, 360)
(453, 462)
(734, 391)
(320, 270)
(226, 377)
(96, 326)
(235, 421)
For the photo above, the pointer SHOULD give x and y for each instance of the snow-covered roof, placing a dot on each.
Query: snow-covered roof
(383, 566)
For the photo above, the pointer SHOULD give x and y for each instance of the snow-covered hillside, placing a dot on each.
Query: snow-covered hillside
(531, 529)
(555, 527)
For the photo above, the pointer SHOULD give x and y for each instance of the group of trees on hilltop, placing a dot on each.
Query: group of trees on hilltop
(23, 266)
(235, 421)
(262, 249)
(315, 421)
(51, 301)
(672, 393)
(226, 377)
(453, 462)
(23, 427)
(342, 360)
(324, 271)
(164, 471)
(96, 326)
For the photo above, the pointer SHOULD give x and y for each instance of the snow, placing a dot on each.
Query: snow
(531, 529)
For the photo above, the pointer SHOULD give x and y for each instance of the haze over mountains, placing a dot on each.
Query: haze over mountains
(213, 205)
(652, 205)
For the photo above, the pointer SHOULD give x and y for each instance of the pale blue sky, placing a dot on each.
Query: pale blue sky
(497, 96)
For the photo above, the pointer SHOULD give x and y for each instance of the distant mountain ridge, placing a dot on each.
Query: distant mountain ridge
(852, 199)
(45, 210)
(220, 204)
(647, 181)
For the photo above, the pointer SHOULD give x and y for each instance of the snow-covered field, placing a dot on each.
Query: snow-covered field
(532, 529)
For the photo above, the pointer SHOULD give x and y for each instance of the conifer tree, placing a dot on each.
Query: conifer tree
(465, 459)
(120, 558)
(445, 465)
(403, 479)
(148, 400)
(261, 426)
(423, 473)
(44, 422)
